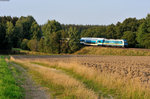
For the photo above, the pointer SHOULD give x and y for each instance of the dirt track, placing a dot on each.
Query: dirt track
(32, 90)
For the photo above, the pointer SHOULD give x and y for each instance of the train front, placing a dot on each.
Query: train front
(125, 43)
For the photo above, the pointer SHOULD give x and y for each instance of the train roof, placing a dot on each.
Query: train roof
(115, 39)
(92, 38)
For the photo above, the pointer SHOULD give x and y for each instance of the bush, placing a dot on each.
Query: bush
(33, 45)
(24, 44)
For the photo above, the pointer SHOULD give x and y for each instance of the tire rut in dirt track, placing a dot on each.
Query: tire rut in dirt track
(32, 90)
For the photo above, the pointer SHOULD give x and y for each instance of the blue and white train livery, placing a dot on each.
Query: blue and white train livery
(103, 42)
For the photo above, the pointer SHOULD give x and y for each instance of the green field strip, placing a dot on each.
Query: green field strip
(9, 88)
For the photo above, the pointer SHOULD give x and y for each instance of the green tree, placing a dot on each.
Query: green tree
(2, 37)
(41, 45)
(119, 30)
(55, 42)
(74, 39)
(146, 42)
(35, 31)
(130, 37)
(9, 34)
(18, 35)
(14, 20)
(130, 24)
(111, 32)
(26, 23)
(24, 44)
(64, 47)
(51, 36)
(98, 31)
(143, 33)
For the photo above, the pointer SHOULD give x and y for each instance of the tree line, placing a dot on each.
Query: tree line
(53, 37)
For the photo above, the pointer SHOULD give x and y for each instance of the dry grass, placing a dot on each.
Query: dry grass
(125, 85)
(71, 86)
(113, 51)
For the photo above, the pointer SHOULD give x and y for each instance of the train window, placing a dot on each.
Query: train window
(93, 42)
(99, 41)
(88, 41)
(106, 41)
(117, 41)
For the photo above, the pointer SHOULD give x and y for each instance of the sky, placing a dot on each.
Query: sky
(85, 12)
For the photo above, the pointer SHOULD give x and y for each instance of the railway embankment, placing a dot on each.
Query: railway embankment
(97, 50)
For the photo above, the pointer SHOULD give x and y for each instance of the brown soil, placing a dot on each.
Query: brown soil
(32, 90)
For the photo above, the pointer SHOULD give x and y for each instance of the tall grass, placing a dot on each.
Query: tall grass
(106, 83)
(113, 51)
(60, 84)
(120, 88)
(9, 89)
(90, 84)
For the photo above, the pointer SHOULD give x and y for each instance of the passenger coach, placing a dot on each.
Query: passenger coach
(103, 42)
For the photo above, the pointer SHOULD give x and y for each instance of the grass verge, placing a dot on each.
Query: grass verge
(9, 89)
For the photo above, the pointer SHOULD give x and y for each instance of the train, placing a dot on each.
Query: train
(103, 42)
